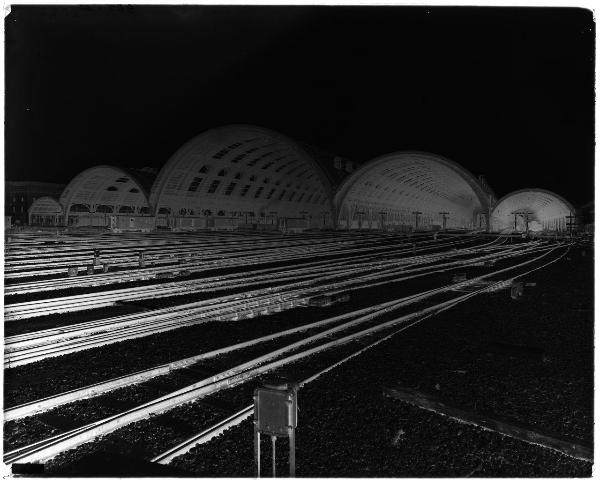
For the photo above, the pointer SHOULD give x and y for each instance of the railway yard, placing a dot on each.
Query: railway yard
(138, 353)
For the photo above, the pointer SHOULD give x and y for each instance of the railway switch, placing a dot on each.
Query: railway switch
(276, 414)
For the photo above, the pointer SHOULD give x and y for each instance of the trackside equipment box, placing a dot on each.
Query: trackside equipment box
(276, 408)
(276, 414)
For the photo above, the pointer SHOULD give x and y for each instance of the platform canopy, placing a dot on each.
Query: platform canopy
(536, 209)
(105, 189)
(241, 170)
(390, 189)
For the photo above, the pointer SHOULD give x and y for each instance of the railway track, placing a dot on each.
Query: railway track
(66, 254)
(31, 309)
(350, 331)
(195, 258)
(34, 346)
(190, 265)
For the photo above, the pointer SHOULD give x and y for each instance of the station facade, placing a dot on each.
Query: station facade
(243, 176)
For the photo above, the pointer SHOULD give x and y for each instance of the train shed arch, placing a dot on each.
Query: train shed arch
(45, 211)
(533, 209)
(411, 190)
(241, 171)
(105, 189)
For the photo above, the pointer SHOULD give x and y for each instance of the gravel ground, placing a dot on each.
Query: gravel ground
(150, 437)
(348, 428)
(22, 432)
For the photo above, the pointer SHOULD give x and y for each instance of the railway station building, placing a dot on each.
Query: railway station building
(243, 176)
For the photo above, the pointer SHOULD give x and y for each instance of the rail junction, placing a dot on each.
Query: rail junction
(346, 293)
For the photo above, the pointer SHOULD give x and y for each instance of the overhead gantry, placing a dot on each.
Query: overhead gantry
(411, 190)
(533, 210)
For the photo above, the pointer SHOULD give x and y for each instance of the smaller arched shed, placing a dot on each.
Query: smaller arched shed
(106, 196)
(532, 209)
(46, 211)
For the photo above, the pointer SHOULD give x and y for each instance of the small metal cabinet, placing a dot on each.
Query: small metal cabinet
(276, 414)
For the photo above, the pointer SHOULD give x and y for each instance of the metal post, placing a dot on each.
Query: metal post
(360, 214)
(257, 450)
(292, 435)
(417, 213)
(488, 223)
(273, 440)
(444, 218)
(570, 224)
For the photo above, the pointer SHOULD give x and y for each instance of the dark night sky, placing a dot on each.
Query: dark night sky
(505, 92)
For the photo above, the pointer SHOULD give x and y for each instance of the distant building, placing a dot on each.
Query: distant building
(18, 197)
